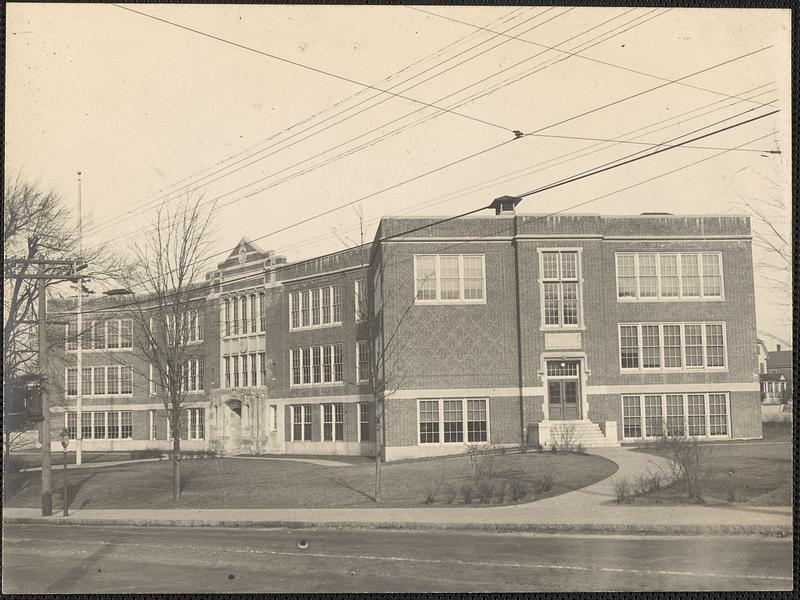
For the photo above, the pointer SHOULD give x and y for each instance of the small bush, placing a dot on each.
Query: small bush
(688, 464)
(467, 493)
(482, 458)
(543, 484)
(449, 492)
(485, 490)
(517, 490)
(500, 491)
(565, 440)
(622, 490)
(431, 491)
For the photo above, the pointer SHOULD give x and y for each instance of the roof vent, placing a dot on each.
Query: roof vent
(505, 204)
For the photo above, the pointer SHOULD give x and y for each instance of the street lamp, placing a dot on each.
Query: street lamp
(64, 444)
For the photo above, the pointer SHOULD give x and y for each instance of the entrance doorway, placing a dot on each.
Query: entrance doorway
(563, 390)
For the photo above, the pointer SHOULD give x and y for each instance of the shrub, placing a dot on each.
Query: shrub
(543, 484)
(500, 491)
(485, 490)
(622, 490)
(565, 440)
(449, 492)
(431, 490)
(579, 448)
(518, 490)
(466, 493)
(687, 464)
(482, 459)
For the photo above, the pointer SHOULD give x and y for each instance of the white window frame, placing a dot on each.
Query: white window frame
(685, 396)
(315, 292)
(579, 326)
(361, 422)
(683, 368)
(358, 362)
(304, 409)
(119, 368)
(464, 420)
(333, 423)
(308, 350)
(680, 297)
(437, 280)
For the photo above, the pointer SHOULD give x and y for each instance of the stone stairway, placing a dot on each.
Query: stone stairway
(588, 434)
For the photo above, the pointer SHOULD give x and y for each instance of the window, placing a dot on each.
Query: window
(126, 333)
(196, 421)
(262, 314)
(560, 288)
(72, 382)
(449, 278)
(678, 276)
(332, 422)
(99, 335)
(696, 415)
(113, 380)
(227, 361)
(360, 300)
(362, 361)
(338, 367)
(72, 335)
(429, 422)
(126, 424)
(262, 363)
(99, 377)
(253, 314)
(113, 425)
(243, 301)
(316, 364)
(71, 423)
(201, 374)
(192, 374)
(301, 423)
(99, 425)
(327, 364)
(476, 420)
(304, 365)
(363, 422)
(273, 417)
(236, 371)
(446, 420)
(113, 334)
(244, 371)
(227, 318)
(319, 307)
(86, 425)
(86, 381)
(254, 370)
(672, 346)
(294, 359)
(235, 321)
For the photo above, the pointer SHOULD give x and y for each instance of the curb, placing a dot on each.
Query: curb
(577, 528)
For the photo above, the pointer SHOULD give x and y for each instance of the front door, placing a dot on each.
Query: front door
(563, 391)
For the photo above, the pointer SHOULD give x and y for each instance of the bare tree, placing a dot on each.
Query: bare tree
(37, 224)
(171, 261)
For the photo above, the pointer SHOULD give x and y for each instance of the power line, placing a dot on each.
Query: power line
(307, 67)
(589, 58)
(366, 144)
(197, 185)
(505, 18)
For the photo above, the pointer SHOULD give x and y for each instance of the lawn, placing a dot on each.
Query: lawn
(757, 473)
(243, 483)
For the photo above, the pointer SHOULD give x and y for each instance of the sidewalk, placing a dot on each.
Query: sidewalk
(589, 510)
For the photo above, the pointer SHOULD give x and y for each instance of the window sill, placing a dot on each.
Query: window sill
(451, 443)
(686, 299)
(305, 386)
(71, 397)
(315, 327)
(667, 371)
(93, 350)
(449, 302)
(555, 329)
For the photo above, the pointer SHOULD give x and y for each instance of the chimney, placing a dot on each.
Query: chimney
(778, 346)
(505, 205)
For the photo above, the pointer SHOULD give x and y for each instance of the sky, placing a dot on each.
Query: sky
(268, 114)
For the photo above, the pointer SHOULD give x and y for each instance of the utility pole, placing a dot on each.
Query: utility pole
(47, 498)
(79, 399)
(64, 270)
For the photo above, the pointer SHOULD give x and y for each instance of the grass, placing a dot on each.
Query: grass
(757, 473)
(242, 483)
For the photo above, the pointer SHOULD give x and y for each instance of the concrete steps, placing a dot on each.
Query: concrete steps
(586, 433)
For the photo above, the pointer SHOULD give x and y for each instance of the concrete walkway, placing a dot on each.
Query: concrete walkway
(591, 509)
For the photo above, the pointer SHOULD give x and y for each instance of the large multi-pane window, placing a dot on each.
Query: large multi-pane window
(112, 334)
(235, 371)
(667, 276)
(301, 423)
(447, 278)
(227, 361)
(445, 421)
(101, 425)
(101, 381)
(227, 318)
(668, 346)
(316, 365)
(318, 307)
(655, 415)
(362, 361)
(332, 422)
(560, 288)
(192, 374)
(196, 421)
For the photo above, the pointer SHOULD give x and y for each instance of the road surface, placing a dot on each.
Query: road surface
(75, 559)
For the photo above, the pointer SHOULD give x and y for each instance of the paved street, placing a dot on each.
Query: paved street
(170, 560)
